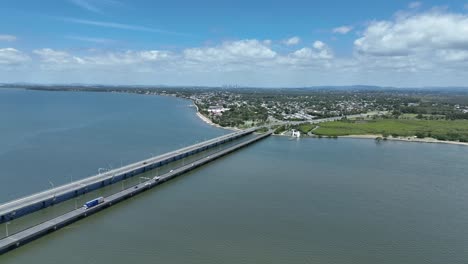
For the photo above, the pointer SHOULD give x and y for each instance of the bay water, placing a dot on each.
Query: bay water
(278, 201)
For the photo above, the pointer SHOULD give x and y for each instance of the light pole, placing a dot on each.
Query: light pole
(52, 185)
(6, 228)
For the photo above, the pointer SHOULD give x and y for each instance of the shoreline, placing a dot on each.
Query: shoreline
(408, 139)
(209, 122)
(411, 140)
(401, 139)
(405, 139)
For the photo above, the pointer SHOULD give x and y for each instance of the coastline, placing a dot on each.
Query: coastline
(408, 139)
(209, 122)
(401, 139)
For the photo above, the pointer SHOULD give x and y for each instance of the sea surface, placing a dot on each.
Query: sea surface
(334, 201)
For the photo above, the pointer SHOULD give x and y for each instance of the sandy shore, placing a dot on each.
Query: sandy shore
(209, 122)
(409, 139)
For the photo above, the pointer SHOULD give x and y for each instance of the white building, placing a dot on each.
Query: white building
(296, 133)
(217, 109)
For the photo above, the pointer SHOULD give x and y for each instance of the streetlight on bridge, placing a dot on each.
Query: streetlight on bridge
(6, 228)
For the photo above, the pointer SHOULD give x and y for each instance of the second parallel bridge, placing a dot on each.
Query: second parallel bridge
(32, 233)
(29, 204)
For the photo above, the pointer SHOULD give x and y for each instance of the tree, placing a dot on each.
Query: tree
(420, 135)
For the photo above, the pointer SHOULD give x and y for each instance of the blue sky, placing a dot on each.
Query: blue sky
(255, 43)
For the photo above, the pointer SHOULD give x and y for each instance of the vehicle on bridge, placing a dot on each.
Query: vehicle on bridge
(93, 202)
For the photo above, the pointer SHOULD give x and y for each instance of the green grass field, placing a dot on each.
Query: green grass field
(456, 130)
(305, 128)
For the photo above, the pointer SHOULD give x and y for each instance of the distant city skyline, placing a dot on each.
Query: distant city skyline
(245, 43)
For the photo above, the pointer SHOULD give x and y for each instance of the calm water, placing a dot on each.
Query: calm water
(278, 201)
(59, 136)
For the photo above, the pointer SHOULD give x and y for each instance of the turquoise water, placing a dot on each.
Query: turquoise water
(277, 201)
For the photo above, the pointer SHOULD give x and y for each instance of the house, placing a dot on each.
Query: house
(217, 109)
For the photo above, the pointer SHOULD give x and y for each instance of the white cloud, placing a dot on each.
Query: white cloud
(120, 26)
(414, 5)
(292, 41)
(317, 56)
(411, 49)
(319, 51)
(343, 29)
(85, 5)
(128, 57)
(319, 45)
(51, 56)
(242, 51)
(453, 55)
(91, 39)
(8, 38)
(11, 57)
(54, 59)
(415, 34)
(92, 5)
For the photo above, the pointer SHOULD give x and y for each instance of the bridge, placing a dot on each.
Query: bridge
(27, 205)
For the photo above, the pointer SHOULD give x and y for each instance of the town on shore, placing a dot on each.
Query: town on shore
(410, 114)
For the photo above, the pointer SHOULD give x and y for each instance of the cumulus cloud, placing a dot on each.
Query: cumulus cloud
(415, 34)
(319, 51)
(241, 51)
(292, 41)
(59, 60)
(11, 57)
(53, 56)
(247, 55)
(8, 38)
(317, 56)
(343, 29)
(128, 57)
(412, 48)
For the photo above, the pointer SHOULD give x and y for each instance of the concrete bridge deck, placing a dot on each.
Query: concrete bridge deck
(29, 204)
(30, 234)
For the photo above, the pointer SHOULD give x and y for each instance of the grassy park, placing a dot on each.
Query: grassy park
(452, 130)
